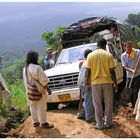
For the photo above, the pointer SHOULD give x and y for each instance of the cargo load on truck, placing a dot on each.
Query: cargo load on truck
(82, 31)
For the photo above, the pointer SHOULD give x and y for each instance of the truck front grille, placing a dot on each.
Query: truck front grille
(63, 81)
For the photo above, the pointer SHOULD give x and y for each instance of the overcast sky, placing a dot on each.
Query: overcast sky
(23, 23)
(13, 11)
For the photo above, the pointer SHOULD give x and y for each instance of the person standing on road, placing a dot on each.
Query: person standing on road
(129, 60)
(100, 69)
(37, 101)
(87, 111)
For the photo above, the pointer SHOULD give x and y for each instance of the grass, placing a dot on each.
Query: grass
(12, 118)
(3, 108)
(18, 94)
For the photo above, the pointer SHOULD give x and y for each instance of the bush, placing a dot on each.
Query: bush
(13, 72)
(3, 108)
(17, 91)
(138, 43)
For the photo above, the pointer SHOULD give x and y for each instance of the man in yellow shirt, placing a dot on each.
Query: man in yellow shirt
(100, 68)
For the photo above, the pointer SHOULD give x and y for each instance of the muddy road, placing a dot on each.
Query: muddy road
(67, 125)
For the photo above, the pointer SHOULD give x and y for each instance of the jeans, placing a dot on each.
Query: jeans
(87, 110)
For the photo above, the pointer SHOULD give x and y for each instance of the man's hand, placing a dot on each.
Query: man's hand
(89, 87)
(115, 88)
(130, 70)
(133, 70)
(49, 91)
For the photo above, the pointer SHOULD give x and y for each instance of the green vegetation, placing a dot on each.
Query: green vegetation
(134, 20)
(13, 72)
(17, 91)
(18, 94)
(3, 108)
(13, 77)
(138, 43)
(51, 38)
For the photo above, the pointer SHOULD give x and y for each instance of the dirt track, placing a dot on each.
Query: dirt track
(67, 125)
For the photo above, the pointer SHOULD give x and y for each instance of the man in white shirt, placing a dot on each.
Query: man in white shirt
(33, 72)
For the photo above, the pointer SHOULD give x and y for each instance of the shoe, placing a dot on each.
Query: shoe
(81, 117)
(109, 126)
(36, 124)
(89, 121)
(47, 125)
(99, 128)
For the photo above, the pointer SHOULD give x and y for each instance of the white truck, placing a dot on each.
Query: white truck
(63, 77)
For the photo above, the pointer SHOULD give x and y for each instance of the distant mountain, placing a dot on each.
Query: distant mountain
(22, 24)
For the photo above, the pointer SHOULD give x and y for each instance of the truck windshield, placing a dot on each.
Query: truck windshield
(74, 54)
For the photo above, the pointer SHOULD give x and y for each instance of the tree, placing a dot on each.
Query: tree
(134, 20)
(137, 32)
(51, 38)
(138, 43)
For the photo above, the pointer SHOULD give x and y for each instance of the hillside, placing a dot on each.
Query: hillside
(22, 24)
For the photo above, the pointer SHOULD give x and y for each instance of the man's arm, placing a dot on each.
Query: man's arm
(80, 64)
(48, 90)
(113, 77)
(88, 78)
(129, 69)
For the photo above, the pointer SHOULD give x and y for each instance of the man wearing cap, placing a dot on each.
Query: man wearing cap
(48, 60)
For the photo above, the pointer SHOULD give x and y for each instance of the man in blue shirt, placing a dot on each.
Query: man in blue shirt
(129, 60)
(48, 60)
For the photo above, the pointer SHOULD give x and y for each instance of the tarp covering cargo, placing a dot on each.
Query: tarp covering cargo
(80, 32)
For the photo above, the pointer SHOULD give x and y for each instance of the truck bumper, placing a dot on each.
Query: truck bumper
(64, 95)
